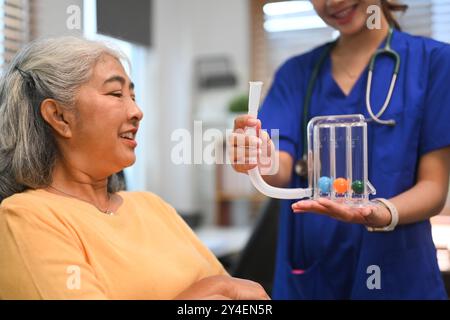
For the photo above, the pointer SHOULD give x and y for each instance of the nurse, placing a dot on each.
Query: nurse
(328, 250)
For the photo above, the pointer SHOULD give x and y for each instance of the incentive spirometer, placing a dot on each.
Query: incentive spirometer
(336, 159)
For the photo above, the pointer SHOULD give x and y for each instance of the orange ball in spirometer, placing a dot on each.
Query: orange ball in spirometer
(340, 185)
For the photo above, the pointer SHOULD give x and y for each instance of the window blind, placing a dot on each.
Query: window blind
(271, 49)
(430, 18)
(14, 28)
(441, 20)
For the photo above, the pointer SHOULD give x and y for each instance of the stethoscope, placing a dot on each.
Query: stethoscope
(301, 166)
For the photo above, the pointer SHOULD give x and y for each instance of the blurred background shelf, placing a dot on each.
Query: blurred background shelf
(234, 190)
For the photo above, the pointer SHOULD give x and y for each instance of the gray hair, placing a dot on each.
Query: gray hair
(51, 68)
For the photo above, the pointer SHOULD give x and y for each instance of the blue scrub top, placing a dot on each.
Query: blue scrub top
(336, 257)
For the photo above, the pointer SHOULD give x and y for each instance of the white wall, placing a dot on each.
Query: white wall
(51, 18)
(184, 30)
(222, 27)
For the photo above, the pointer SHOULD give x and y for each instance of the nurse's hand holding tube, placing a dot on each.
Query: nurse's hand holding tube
(246, 151)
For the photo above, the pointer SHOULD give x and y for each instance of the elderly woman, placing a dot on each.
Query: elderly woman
(68, 122)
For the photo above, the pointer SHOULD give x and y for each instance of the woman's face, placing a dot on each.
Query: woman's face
(346, 16)
(107, 120)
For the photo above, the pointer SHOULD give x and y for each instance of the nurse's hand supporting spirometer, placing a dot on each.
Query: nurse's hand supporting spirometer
(373, 216)
(424, 200)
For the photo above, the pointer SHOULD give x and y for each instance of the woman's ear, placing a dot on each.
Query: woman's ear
(58, 117)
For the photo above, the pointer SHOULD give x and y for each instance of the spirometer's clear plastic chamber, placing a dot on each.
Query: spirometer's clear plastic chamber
(337, 159)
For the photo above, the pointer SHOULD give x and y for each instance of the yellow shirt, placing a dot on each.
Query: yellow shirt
(55, 247)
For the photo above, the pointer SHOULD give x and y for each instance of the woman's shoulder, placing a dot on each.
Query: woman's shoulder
(34, 206)
(144, 199)
(145, 196)
(150, 203)
(40, 201)
(29, 200)
(420, 39)
(425, 45)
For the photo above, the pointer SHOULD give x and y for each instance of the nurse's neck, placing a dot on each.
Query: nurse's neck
(367, 40)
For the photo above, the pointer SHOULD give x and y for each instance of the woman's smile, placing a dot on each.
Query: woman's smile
(129, 137)
(344, 15)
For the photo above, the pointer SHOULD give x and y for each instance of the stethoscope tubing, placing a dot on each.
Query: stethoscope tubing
(387, 50)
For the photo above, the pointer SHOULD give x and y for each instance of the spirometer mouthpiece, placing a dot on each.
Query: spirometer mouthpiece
(255, 176)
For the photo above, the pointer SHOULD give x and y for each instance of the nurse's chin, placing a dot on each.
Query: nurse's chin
(355, 26)
(352, 29)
